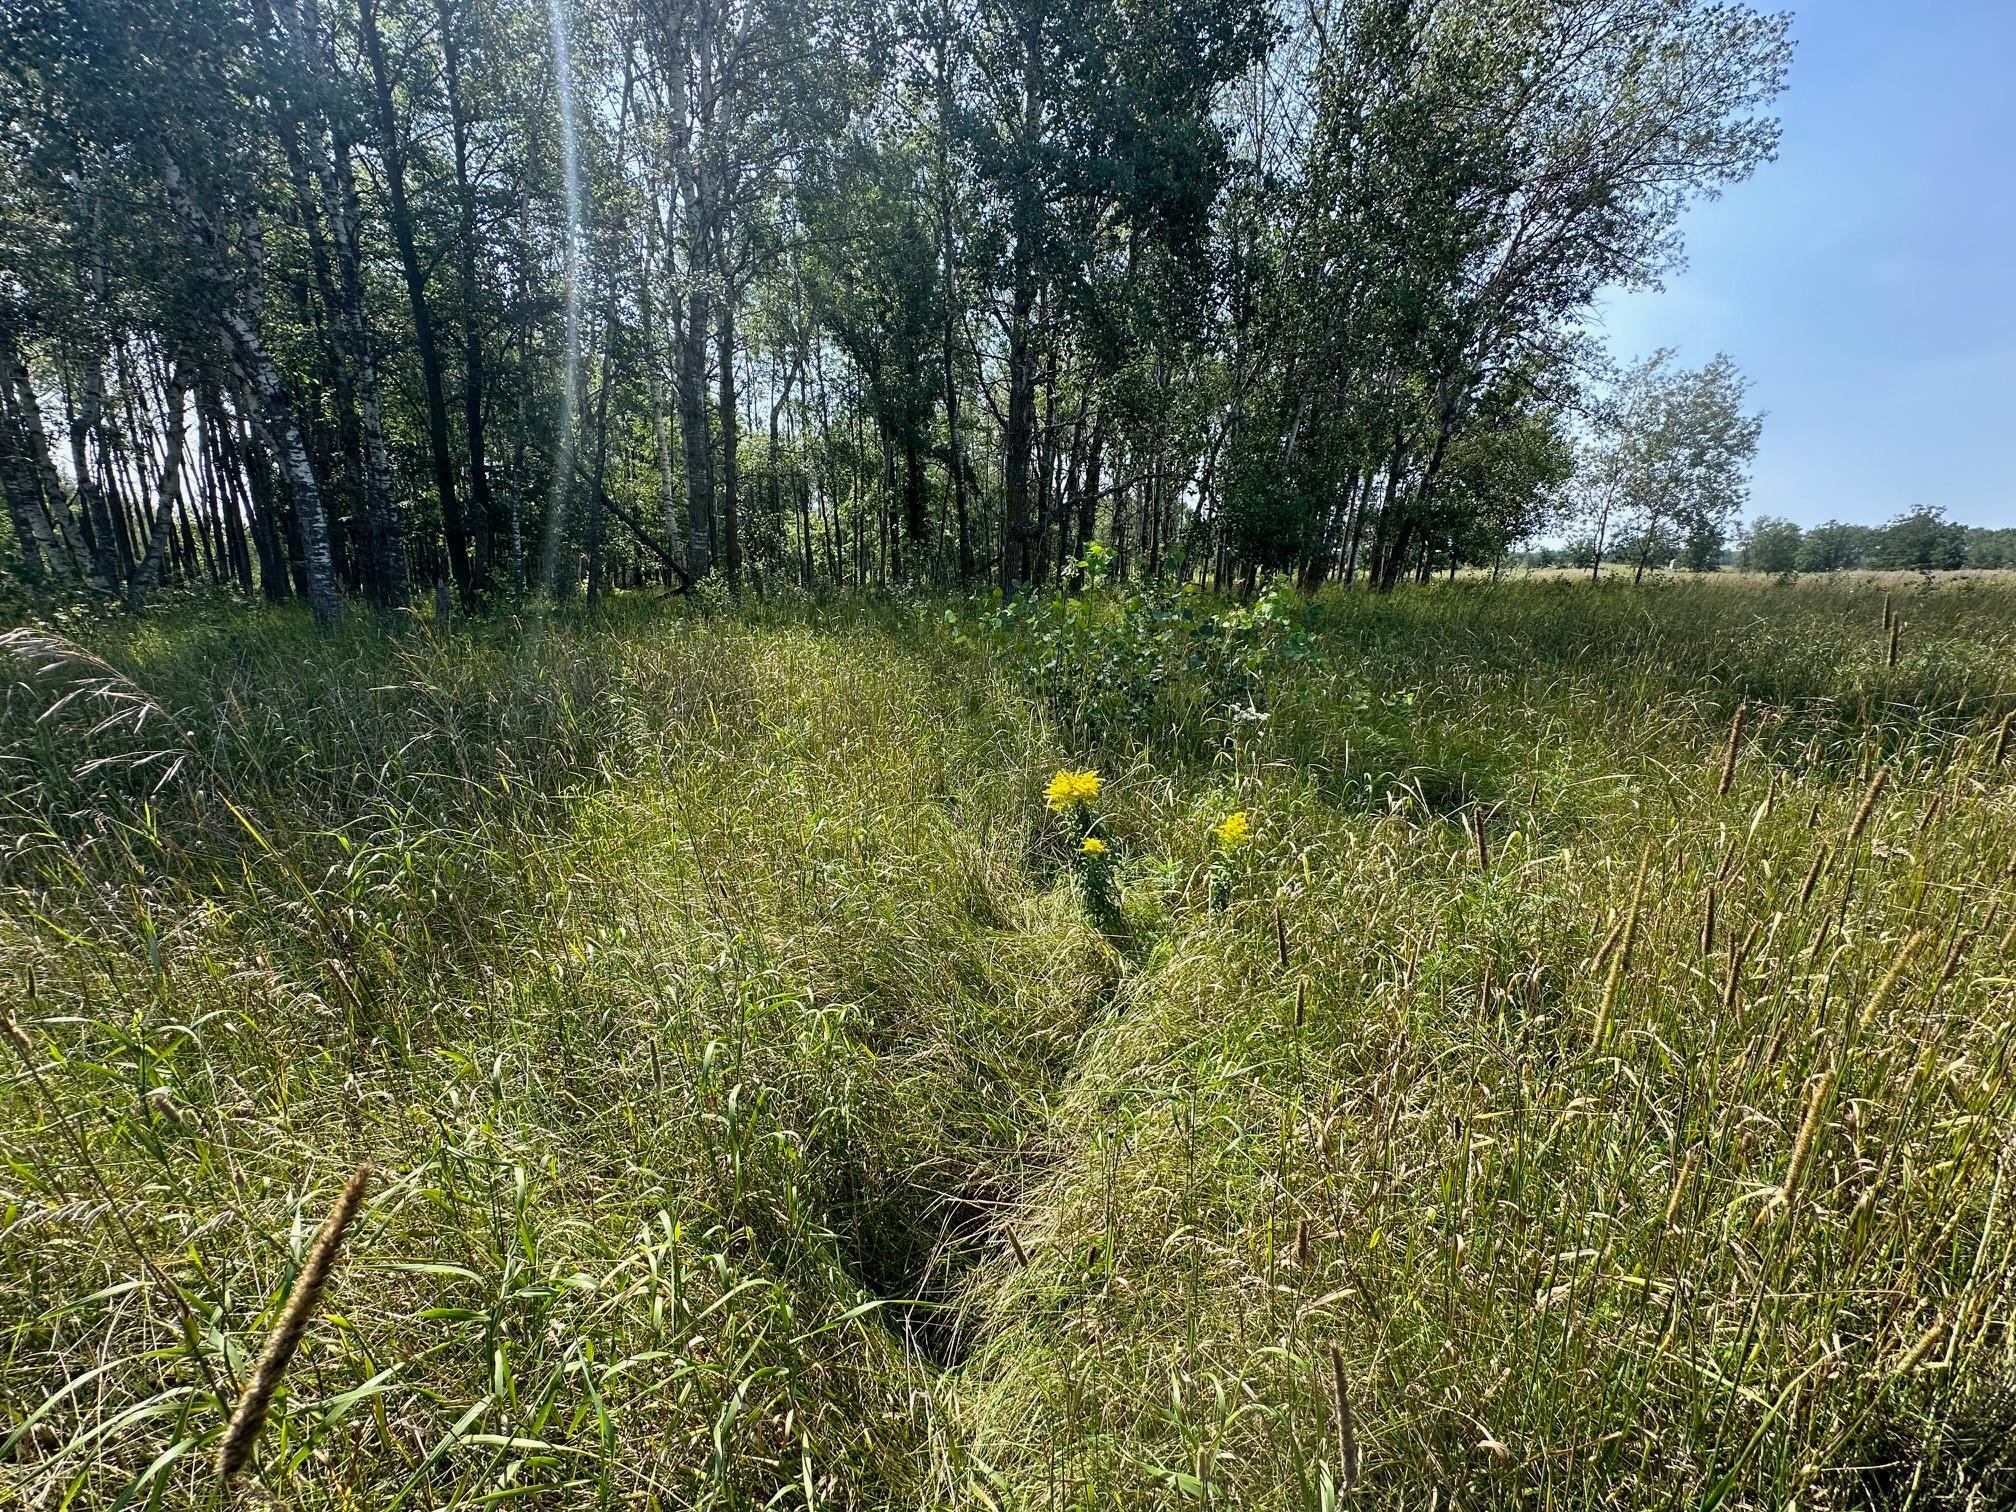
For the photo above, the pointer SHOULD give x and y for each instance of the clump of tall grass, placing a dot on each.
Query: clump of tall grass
(758, 1117)
(1679, 1257)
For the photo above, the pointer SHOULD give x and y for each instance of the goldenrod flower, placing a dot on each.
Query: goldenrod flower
(1234, 830)
(1092, 845)
(1069, 790)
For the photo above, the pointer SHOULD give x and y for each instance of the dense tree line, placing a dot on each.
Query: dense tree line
(331, 298)
(1919, 540)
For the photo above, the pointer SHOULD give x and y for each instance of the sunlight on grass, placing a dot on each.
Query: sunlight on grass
(770, 1100)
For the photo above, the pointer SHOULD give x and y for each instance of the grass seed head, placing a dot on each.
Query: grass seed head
(1868, 806)
(235, 1448)
(1809, 1135)
(1729, 755)
(1347, 1426)
(1923, 1346)
(1888, 985)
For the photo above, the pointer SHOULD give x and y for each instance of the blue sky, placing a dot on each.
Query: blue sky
(1866, 280)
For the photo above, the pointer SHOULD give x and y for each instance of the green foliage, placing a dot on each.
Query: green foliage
(1668, 467)
(1920, 540)
(1165, 666)
(1834, 547)
(752, 1102)
(1770, 545)
(1991, 549)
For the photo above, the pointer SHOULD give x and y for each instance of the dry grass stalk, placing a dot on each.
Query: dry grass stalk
(1680, 1184)
(1622, 959)
(1602, 955)
(1868, 807)
(1708, 919)
(1889, 983)
(1729, 755)
(1612, 984)
(2002, 738)
(236, 1446)
(1281, 936)
(1809, 1136)
(1887, 617)
(1015, 1244)
(1347, 1427)
(1813, 873)
(1952, 963)
(1733, 983)
(1302, 1242)
(1896, 634)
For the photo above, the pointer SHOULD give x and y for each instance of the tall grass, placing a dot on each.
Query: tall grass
(759, 1115)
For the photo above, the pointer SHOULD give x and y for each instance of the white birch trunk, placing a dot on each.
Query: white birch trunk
(148, 572)
(251, 362)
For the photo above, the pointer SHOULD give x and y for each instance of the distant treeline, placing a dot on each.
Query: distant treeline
(1919, 540)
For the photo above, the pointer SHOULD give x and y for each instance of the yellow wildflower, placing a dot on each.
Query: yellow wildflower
(1234, 830)
(1092, 845)
(1069, 790)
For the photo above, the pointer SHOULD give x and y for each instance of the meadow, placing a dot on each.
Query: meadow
(1495, 1044)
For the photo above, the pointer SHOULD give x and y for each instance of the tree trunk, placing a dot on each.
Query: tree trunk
(388, 530)
(1088, 492)
(84, 420)
(1359, 510)
(231, 505)
(1424, 493)
(595, 496)
(654, 383)
(693, 436)
(731, 468)
(1018, 522)
(947, 252)
(467, 246)
(274, 580)
(360, 402)
(20, 478)
(57, 530)
(805, 527)
(337, 354)
(148, 573)
(400, 214)
(255, 367)
(24, 500)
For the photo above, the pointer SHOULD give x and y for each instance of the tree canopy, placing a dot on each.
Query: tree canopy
(331, 298)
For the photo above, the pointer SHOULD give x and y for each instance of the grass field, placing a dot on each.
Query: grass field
(1587, 1082)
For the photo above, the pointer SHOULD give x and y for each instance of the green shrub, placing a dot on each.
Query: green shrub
(1154, 664)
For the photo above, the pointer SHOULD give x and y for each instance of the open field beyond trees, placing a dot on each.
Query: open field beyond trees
(1582, 1078)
